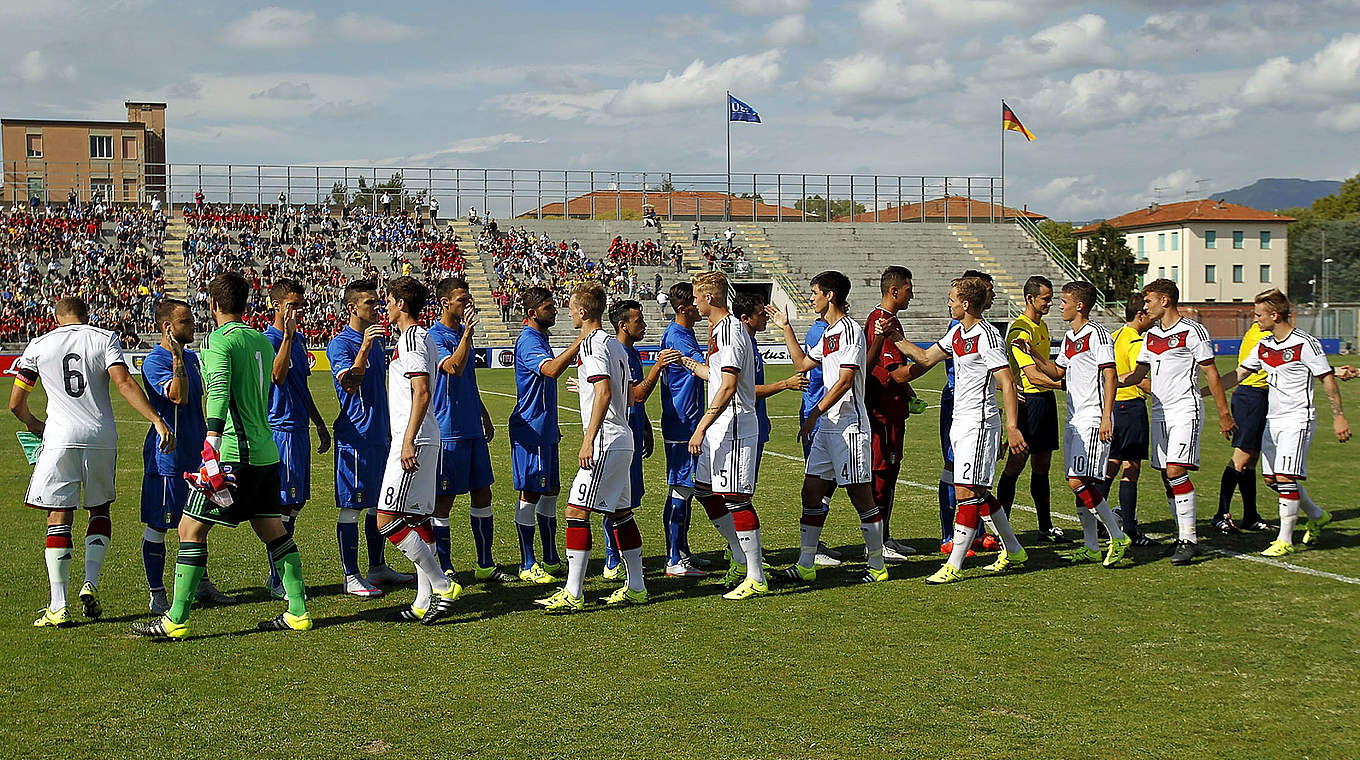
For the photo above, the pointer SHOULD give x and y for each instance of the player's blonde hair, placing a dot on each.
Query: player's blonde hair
(1276, 301)
(972, 290)
(589, 295)
(713, 285)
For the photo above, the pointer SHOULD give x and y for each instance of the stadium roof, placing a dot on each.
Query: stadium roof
(1205, 210)
(74, 123)
(946, 208)
(676, 203)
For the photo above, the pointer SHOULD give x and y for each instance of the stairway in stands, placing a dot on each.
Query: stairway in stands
(493, 331)
(176, 276)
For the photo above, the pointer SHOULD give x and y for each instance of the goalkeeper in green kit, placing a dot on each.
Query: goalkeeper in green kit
(239, 478)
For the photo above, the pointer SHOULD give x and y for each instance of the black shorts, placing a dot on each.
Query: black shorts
(1039, 421)
(256, 494)
(1130, 442)
(1249, 412)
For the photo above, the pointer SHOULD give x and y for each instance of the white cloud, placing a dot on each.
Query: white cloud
(925, 18)
(564, 106)
(1341, 119)
(34, 67)
(271, 27)
(788, 30)
(1332, 74)
(699, 84)
(1083, 41)
(869, 76)
(768, 7)
(364, 28)
(280, 95)
(286, 91)
(1106, 96)
(1171, 186)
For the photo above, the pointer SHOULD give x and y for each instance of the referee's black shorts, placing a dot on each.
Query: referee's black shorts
(1130, 442)
(1249, 412)
(1039, 420)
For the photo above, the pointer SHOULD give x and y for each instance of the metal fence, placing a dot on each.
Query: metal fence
(507, 193)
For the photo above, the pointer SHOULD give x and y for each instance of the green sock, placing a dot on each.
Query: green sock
(190, 566)
(288, 563)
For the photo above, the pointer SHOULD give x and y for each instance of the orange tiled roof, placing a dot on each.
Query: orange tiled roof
(1187, 211)
(955, 206)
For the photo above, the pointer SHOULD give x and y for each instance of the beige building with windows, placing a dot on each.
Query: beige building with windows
(1216, 252)
(50, 158)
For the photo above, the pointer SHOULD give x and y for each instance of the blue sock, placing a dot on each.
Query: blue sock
(673, 518)
(611, 552)
(547, 530)
(153, 560)
(481, 537)
(376, 543)
(526, 545)
(347, 534)
(440, 527)
(946, 512)
(682, 515)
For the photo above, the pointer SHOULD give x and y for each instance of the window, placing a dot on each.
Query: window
(1175, 241)
(1142, 252)
(1265, 241)
(1142, 280)
(1237, 273)
(1161, 273)
(102, 186)
(1210, 239)
(1210, 273)
(1237, 239)
(1176, 275)
(129, 146)
(35, 187)
(1161, 241)
(34, 146)
(1265, 273)
(101, 146)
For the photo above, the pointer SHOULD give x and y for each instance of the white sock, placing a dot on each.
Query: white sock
(963, 540)
(728, 530)
(576, 570)
(1002, 523)
(58, 568)
(748, 541)
(546, 506)
(809, 537)
(423, 590)
(632, 560)
(1289, 517)
(1090, 537)
(1185, 517)
(1306, 504)
(425, 560)
(524, 513)
(873, 542)
(96, 546)
(1110, 519)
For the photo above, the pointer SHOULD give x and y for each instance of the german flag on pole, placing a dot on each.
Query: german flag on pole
(1008, 121)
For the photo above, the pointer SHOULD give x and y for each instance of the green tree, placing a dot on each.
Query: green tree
(816, 204)
(1109, 263)
(1328, 229)
(367, 196)
(1343, 204)
(1060, 234)
(665, 186)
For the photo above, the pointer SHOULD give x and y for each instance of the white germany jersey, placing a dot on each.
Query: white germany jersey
(843, 346)
(730, 350)
(414, 356)
(1085, 354)
(1290, 366)
(73, 364)
(603, 357)
(977, 352)
(1172, 355)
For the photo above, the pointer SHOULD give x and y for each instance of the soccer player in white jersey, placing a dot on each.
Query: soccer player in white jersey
(1086, 363)
(1172, 347)
(1291, 359)
(842, 444)
(408, 485)
(604, 482)
(726, 438)
(76, 362)
(980, 367)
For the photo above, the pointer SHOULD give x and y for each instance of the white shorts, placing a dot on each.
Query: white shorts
(1085, 453)
(1175, 441)
(1284, 449)
(976, 446)
(608, 485)
(728, 465)
(410, 493)
(845, 456)
(60, 473)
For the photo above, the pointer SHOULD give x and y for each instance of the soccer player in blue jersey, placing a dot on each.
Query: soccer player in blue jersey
(358, 364)
(174, 385)
(682, 404)
(534, 434)
(290, 408)
(465, 429)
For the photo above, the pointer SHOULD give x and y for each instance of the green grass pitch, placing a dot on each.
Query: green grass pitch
(1228, 658)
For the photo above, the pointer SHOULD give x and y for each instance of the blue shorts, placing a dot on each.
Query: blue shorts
(163, 499)
(946, 421)
(636, 471)
(358, 476)
(1249, 412)
(464, 466)
(679, 465)
(295, 466)
(760, 454)
(534, 467)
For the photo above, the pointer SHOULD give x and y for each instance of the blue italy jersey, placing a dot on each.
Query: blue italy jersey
(288, 403)
(637, 413)
(683, 397)
(762, 416)
(814, 392)
(362, 423)
(185, 420)
(457, 404)
(534, 417)
(949, 370)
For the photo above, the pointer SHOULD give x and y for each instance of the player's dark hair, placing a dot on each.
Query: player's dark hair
(834, 284)
(618, 313)
(448, 285)
(747, 304)
(73, 306)
(284, 286)
(1084, 292)
(680, 294)
(357, 288)
(1132, 308)
(589, 295)
(410, 291)
(1276, 301)
(165, 310)
(1165, 287)
(978, 273)
(893, 276)
(230, 290)
(973, 290)
(1035, 285)
(535, 297)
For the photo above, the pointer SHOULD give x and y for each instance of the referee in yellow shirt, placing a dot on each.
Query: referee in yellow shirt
(1129, 447)
(1249, 410)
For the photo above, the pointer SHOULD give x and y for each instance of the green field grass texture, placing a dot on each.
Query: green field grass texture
(1227, 658)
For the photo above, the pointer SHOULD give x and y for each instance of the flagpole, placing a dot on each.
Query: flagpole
(1003, 161)
(727, 117)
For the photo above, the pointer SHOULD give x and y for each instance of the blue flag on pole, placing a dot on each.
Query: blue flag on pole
(739, 111)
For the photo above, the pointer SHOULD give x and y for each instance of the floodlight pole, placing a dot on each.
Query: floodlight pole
(1003, 166)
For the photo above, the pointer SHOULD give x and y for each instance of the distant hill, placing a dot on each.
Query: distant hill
(1272, 194)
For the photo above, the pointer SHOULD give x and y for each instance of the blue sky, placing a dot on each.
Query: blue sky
(1124, 97)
